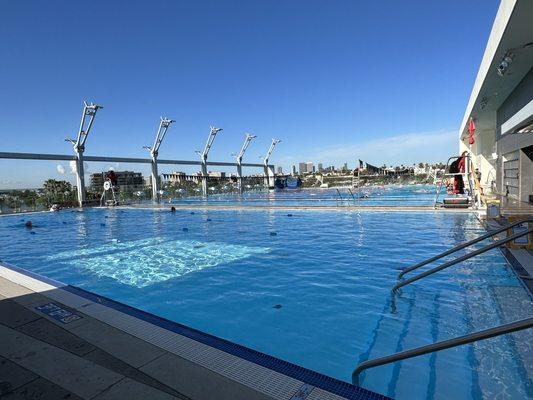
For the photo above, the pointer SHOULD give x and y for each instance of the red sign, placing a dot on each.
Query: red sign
(471, 131)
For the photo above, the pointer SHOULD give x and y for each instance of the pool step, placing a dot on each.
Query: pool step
(382, 343)
(492, 378)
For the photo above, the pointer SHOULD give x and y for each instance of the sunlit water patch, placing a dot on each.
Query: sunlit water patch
(144, 262)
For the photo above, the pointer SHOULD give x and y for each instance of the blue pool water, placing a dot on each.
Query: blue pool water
(365, 196)
(227, 273)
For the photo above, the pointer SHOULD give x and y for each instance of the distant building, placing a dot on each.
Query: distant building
(294, 169)
(310, 167)
(320, 169)
(133, 180)
(345, 167)
(302, 168)
(280, 170)
(216, 174)
(174, 177)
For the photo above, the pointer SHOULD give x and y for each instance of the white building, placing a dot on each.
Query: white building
(501, 105)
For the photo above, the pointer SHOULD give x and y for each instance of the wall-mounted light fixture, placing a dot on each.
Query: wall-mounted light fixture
(505, 62)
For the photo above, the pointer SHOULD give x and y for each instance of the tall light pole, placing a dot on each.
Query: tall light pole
(247, 142)
(164, 123)
(203, 156)
(269, 173)
(87, 120)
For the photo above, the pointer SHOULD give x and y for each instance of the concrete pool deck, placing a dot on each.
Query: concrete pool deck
(57, 341)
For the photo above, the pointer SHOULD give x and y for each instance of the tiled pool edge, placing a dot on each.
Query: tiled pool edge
(285, 368)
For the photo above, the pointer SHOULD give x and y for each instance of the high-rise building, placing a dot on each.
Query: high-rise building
(345, 167)
(294, 169)
(310, 167)
(302, 168)
(320, 168)
(280, 170)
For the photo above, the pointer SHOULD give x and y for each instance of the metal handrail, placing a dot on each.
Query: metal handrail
(340, 197)
(462, 246)
(445, 344)
(468, 167)
(439, 186)
(353, 197)
(463, 258)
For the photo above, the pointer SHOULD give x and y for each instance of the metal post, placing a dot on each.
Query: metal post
(203, 156)
(154, 177)
(164, 123)
(247, 142)
(269, 175)
(239, 177)
(89, 110)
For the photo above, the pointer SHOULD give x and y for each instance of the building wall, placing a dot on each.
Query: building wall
(518, 99)
(515, 168)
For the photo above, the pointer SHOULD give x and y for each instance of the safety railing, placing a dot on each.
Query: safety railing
(445, 344)
(463, 258)
(462, 246)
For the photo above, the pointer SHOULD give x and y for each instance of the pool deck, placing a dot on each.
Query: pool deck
(61, 342)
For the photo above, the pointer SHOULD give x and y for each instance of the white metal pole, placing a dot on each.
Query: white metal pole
(239, 177)
(155, 180)
(164, 123)
(247, 142)
(80, 178)
(89, 110)
(203, 157)
(204, 178)
(266, 168)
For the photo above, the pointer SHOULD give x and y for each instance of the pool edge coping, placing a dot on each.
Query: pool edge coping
(285, 368)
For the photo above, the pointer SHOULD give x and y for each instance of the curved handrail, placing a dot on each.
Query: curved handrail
(445, 344)
(462, 246)
(353, 197)
(340, 197)
(463, 258)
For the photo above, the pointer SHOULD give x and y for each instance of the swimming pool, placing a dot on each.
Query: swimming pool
(312, 288)
(395, 195)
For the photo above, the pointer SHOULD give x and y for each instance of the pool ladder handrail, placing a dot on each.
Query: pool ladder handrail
(353, 196)
(462, 246)
(462, 258)
(442, 345)
(340, 199)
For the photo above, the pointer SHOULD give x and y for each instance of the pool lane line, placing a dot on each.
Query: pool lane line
(301, 208)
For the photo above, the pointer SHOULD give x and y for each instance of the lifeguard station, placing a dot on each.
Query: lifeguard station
(462, 188)
(109, 198)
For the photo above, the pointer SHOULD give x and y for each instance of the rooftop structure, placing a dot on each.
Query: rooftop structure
(497, 125)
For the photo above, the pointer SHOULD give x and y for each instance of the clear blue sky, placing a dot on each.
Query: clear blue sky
(335, 80)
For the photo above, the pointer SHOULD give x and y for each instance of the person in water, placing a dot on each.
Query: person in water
(172, 209)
